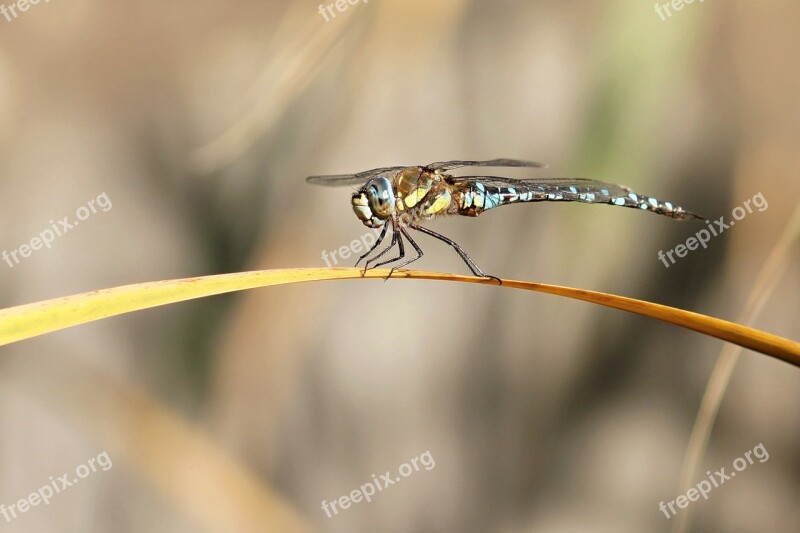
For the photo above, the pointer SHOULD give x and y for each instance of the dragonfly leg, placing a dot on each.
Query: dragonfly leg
(407, 261)
(467, 259)
(400, 256)
(377, 243)
(382, 253)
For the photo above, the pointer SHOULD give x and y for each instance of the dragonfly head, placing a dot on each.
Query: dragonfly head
(374, 203)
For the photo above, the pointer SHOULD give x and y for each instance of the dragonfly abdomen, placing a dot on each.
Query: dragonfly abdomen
(654, 205)
(477, 197)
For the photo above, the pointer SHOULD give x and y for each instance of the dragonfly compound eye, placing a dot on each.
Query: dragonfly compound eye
(381, 197)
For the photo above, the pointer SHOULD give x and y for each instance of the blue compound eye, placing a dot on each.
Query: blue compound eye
(381, 197)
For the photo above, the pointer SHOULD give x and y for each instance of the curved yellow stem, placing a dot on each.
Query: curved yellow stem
(26, 321)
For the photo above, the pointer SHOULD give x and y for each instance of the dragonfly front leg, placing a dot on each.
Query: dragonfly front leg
(382, 253)
(398, 232)
(377, 243)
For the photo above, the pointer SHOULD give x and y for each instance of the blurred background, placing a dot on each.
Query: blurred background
(199, 122)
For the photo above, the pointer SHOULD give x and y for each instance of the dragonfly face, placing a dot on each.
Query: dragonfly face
(375, 202)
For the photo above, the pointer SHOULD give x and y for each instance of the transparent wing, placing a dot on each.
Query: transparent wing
(361, 177)
(450, 165)
(351, 179)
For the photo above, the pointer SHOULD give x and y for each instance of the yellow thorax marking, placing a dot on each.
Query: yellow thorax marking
(441, 203)
(413, 185)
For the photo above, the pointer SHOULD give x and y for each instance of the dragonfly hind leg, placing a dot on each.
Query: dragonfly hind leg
(466, 258)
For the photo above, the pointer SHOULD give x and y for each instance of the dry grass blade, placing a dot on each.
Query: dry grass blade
(772, 271)
(26, 321)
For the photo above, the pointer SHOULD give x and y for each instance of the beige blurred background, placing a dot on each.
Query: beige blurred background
(199, 121)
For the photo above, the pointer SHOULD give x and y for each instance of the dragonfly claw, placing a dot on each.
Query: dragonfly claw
(498, 280)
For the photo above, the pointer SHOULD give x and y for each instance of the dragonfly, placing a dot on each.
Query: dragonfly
(400, 198)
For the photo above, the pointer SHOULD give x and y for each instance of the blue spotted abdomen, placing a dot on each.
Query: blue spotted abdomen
(476, 197)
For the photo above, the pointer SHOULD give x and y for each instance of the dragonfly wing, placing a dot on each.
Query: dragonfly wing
(351, 179)
(335, 180)
(361, 177)
(450, 165)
